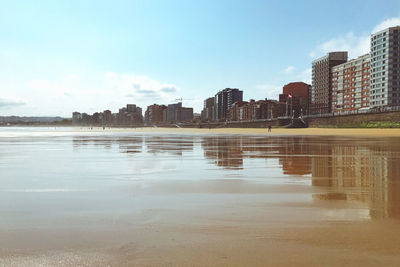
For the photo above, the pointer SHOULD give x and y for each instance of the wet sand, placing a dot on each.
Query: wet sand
(255, 131)
(127, 197)
(227, 244)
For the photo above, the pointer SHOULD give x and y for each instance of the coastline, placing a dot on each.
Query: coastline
(250, 131)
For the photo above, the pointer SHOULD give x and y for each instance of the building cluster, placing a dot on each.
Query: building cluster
(371, 81)
(131, 115)
(173, 113)
(228, 105)
(339, 86)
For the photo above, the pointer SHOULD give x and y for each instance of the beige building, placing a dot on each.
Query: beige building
(351, 85)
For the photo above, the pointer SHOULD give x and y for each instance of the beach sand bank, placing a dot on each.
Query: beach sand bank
(334, 244)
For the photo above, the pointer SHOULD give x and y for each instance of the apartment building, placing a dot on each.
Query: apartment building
(224, 100)
(154, 113)
(207, 114)
(321, 89)
(351, 85)
(385, 68)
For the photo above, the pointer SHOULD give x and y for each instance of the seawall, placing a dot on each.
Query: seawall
(353, 120)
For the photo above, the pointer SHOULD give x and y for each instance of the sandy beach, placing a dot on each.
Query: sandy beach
(199, 197)
(251, 131)
(227, 244)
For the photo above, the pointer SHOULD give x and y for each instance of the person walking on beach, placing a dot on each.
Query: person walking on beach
(269, 128)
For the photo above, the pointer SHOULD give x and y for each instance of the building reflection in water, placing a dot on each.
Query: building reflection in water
(153, 144)
(125, 144)
(224, 151)
(175, 145)
(346, 169)
(366, 170)
(229, 152)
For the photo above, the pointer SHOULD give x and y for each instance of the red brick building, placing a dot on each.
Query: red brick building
(298, 103)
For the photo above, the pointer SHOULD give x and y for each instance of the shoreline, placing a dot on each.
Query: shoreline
(244, 131)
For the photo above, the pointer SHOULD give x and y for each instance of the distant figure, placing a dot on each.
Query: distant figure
(269, 128)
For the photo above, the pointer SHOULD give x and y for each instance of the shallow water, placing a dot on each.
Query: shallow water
(62, 181)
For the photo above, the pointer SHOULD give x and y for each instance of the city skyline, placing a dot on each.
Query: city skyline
(60, 57)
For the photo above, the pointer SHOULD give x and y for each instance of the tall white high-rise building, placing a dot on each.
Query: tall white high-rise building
(385, 68)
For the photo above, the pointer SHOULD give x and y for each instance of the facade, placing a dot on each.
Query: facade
(253, 110)
(321, 90)
(297, 89)
(173, 112)
(177, 113)
(385, 68)
(238, 111)
(129, 115)
(187, 114)
(154, 113)
(224, 100)
(108, 117)
(258, 110)
(76, 118)
(298, 103)
(351, 85)
(165, 115)
(207, 114)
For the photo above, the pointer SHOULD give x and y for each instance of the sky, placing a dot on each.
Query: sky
(57, 57)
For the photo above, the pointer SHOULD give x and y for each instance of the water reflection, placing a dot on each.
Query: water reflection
(170, 144)
(366, 172)
(363, 170)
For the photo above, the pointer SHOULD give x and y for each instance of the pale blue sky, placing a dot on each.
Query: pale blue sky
(60, 56)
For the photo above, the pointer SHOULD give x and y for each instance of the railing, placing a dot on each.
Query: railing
(364, 111)
(301, 118)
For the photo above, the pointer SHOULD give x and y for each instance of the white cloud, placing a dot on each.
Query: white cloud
(196, 103)
(356, 45)
(9, 103)
(270, 91)
(289, 69)
(71, 93)
(386, 24)
(70, 84)
(141, 87)
(305, 76)
(40, 84)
